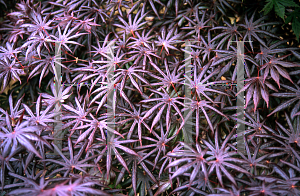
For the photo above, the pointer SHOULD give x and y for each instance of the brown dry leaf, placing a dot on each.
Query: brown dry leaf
(162, 11)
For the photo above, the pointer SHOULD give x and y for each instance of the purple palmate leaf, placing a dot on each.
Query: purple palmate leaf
(109, 146)
(22, 134)
(220, 159)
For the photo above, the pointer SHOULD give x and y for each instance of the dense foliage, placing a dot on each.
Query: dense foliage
(149, 153)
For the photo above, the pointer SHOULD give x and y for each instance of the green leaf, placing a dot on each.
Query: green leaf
(296, 28)
(288, 19)
(119, 186)
(279, 6)
(294, 18)
(287, 3)
(279, 9)
(268, 7)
